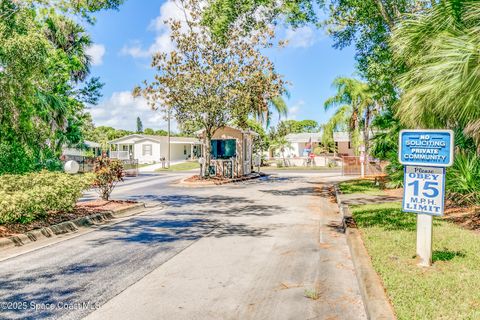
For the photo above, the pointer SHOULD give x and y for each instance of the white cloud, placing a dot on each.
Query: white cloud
(96, 52)
(169, 10)
(121, 111)
(303, 37)
(293, 111)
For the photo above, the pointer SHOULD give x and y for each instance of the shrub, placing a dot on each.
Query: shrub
(463, 179)
(395, 174)
(24, 198)
(15, 158)
(108, 172)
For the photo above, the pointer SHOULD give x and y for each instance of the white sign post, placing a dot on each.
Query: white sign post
(425, 154)
(424, 194)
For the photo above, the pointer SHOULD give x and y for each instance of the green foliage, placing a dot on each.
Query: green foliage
(356, 106)
(280, 144)
(260, 142)
(360, 186)
(395, 174)
(103, 134)
(222, 15)
(209, 83)
(24, 198)
(385, 140)
(389, 236)
(43, 78)
(15, 158)
(367, 25)
(294, 126)
(139, 125)
(441, 88)
(320, 150)
(108, 172)
(463, 179)
(152, 132)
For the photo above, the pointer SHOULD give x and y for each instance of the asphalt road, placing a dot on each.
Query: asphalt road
(146, 267)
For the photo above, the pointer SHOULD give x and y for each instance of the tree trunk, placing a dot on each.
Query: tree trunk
(383, 12)
(366, 127)
(208, 150)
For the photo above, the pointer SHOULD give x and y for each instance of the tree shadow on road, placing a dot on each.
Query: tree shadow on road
(304, 191)
(43, 290)
(185, 200)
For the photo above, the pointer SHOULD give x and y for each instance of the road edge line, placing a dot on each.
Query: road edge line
(375, 300)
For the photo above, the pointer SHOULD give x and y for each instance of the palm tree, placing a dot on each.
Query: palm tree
(71, 38)
(355, 107)
(281, 144)
(441, 50)
(263, 112)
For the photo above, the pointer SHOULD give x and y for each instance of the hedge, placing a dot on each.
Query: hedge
(24, 198)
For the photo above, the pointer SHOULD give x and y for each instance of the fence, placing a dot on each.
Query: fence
(86, 164)
(351, 165)
(121, 155)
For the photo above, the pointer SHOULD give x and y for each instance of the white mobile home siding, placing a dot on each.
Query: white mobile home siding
(153, 158)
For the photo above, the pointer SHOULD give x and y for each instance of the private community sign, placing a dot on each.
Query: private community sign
(425, 155)
(432, 148)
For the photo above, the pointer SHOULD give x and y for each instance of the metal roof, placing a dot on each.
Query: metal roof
(304, 137)
(156, 138)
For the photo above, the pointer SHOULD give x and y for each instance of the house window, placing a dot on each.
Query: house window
(147, 149)
(349, 145)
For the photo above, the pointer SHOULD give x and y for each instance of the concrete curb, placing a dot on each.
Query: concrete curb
(377, 305)
(213, 183)
(68, 226)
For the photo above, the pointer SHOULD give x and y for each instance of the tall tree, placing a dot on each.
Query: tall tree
(43, 75)
(221, 15)
(211, 83)
(139, 125)
(356, 105)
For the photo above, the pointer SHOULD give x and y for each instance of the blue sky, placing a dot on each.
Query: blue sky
(125, 39)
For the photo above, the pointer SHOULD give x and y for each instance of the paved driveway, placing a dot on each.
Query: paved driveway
(263, 249)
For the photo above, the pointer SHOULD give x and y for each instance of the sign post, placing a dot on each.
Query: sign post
(362, 161)
(425, 154)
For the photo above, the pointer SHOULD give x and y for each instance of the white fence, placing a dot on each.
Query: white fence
(122, 155)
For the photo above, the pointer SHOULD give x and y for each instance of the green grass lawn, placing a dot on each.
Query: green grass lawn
(450, 289)
(360, 186)
(190, 165)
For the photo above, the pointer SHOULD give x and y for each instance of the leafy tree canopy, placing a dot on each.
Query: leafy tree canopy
(44, 73)
(209, 83)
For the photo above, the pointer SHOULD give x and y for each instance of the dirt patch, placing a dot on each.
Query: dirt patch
(394, 192)
(211, 180)
(466, 217)
(82, 209)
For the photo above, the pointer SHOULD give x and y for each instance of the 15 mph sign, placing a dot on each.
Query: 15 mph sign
(424, 190)
(425, 155)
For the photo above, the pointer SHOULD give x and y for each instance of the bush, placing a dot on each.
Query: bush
(108, 172)
(24, 198)
(15, 158)
(463, 179)
(395, 174)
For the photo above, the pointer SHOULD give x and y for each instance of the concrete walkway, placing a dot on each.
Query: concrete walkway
(274, 254)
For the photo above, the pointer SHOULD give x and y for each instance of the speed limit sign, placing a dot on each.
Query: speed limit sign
(424, 190)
